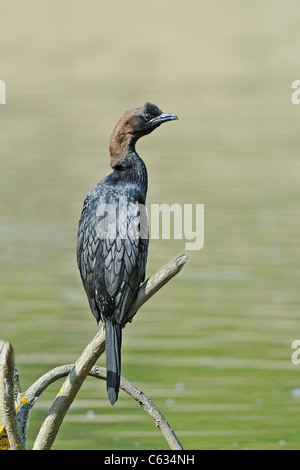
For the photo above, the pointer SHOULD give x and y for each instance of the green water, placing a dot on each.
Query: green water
(213, 348)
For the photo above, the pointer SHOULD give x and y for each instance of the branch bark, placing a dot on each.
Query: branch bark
(91, 354)
(7, 401)
(146, 404)
(100, 373)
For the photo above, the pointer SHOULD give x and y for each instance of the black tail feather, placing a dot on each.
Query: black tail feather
(113, 341)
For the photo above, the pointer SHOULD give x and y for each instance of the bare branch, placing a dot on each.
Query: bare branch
(156, 282)
(68, 392)
(37, 388)
(28, 399)
(100, 373)
(91, 354)
(7, 401)
(146, 404)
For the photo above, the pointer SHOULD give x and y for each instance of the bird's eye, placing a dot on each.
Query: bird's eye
(147, 116)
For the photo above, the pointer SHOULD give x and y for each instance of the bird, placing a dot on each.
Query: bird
(112, 239)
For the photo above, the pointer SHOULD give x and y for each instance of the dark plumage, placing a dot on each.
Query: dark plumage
(112, 242)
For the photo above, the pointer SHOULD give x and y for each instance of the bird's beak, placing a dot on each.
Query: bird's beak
(163, 118)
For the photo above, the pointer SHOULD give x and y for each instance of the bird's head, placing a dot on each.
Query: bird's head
(142, 121)
(133, 125)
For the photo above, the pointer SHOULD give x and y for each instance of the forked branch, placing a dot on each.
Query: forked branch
(77, 373)
(100, 373)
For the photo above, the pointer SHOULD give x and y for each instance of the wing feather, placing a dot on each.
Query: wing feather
(111, 269)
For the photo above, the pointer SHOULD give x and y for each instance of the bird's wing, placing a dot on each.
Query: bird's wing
(88, 243)
(111, 255)
(124, 259)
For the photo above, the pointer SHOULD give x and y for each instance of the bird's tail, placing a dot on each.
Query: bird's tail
(113, 341)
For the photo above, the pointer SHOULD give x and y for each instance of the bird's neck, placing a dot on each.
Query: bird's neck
(126, 163)
(121, 146)
(128, 167)
(124, 157)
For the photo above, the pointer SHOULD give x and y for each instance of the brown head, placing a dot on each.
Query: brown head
(133, 125)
